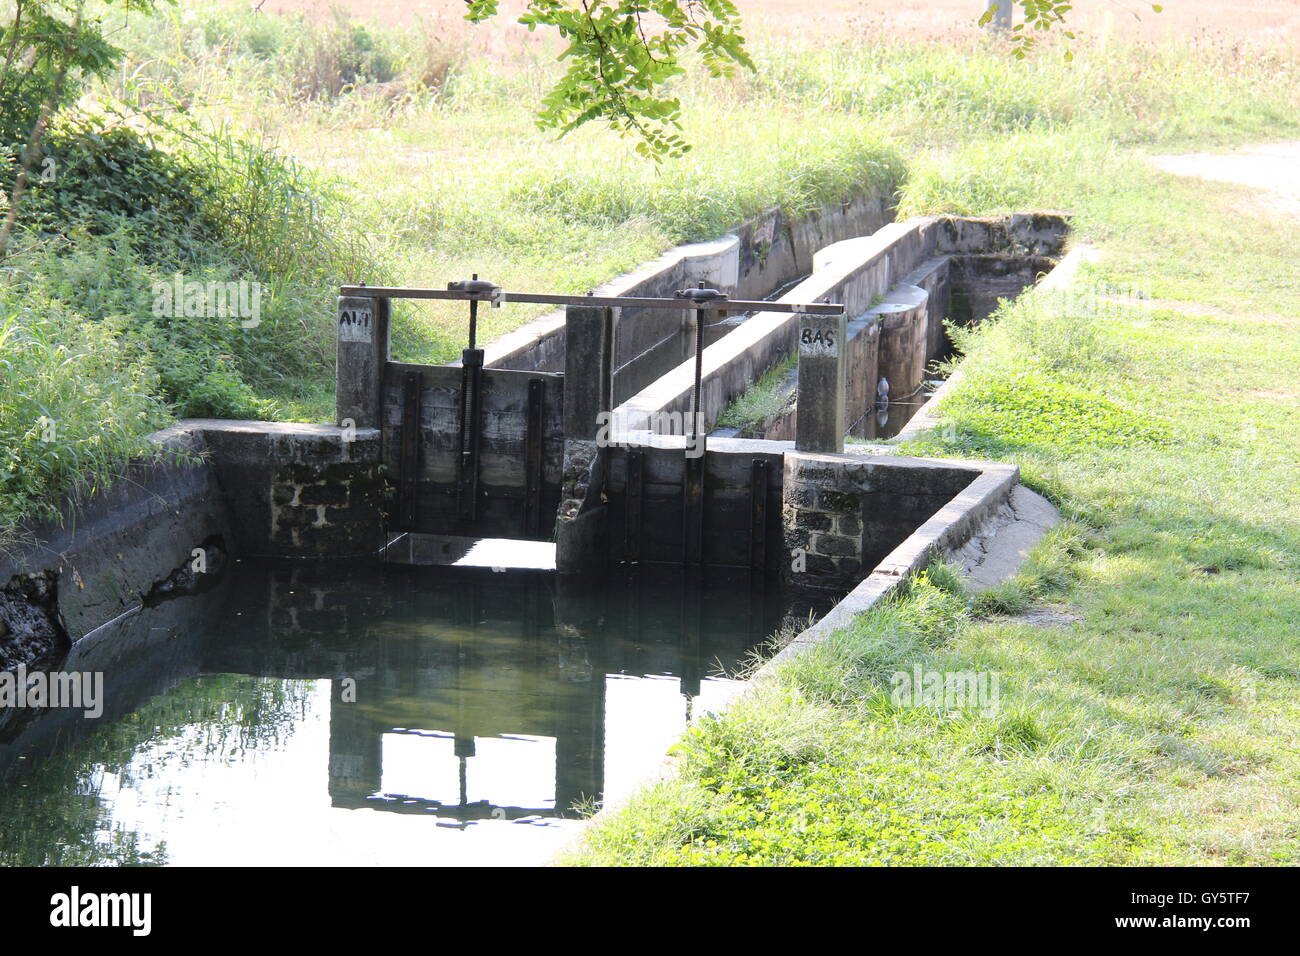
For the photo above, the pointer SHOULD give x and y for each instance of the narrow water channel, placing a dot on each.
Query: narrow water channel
(888, 419)
(308, 714)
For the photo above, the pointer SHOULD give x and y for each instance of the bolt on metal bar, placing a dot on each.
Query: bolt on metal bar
(500, 297)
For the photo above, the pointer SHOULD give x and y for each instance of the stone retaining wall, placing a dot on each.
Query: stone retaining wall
(228, 487)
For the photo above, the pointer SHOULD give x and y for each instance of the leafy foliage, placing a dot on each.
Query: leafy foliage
(74, 408)
(46, 48)
(106, 176)
(623, 53)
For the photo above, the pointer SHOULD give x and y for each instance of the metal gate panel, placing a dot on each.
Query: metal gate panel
(521, 451)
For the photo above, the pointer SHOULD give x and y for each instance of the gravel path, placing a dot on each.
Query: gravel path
(1274, 169)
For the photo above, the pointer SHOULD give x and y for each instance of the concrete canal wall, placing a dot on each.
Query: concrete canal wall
(226, 489)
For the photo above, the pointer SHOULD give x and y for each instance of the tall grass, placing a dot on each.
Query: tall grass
(74, 410)
(334, 151)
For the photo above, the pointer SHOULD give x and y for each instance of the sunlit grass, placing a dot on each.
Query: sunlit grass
(1148, 710)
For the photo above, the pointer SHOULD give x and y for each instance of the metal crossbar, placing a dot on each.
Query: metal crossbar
(498, 297)
(699, 300)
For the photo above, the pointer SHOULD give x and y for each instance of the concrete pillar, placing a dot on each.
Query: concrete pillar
(362, 352)
(588, 368)
(904, 339)
(580, 541)
(862, 370)
(821, 423)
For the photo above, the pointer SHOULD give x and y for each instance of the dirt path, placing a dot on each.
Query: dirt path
(1274, 169)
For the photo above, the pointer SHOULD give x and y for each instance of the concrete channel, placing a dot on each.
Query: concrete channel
(584, 458)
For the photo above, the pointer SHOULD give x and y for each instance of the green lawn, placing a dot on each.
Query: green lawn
(1154, 720)
(1149, 655)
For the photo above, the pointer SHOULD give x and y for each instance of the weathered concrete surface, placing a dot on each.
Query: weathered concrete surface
(297, 490)
(111, 552)
(853, 271)
(866, 267)
(1003, 541)
(934, 276)
(979, 282)
(1040, 234)
(588, 369)
(861, 376)
(361, 352)
(248, 488)
(823, 364)
(947, 530)
(903, 316)
(503, 506)
(844, 514)
(645, 522)
(760, 255)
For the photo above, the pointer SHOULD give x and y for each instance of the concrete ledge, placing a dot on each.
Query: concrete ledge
(948, 530)
(297, 490)
(108, 554)
(855, 271)
(758, 256)
(251, 488)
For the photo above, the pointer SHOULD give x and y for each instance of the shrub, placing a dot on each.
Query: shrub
(73, 410)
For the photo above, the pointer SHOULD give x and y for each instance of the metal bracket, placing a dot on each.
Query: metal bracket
(758, 518)
(632, 500)
(700, 294)
(408, 477)
(533, 459)
(471, 384)
(693, 512)
(474, 288)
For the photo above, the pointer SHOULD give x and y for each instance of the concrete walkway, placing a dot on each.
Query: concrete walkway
(1003, 543)
(1273, 169)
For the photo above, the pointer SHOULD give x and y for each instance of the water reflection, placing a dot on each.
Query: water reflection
(888, 418)
(308, 714)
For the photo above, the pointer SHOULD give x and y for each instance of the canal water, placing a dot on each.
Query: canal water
(888, 419)
(307, 714)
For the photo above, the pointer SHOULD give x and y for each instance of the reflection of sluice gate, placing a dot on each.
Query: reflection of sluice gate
(356, 764)
(460, 692)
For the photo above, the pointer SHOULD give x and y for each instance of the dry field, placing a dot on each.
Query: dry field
(1263, 22)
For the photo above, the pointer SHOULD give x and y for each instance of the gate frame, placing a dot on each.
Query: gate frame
(364, 358)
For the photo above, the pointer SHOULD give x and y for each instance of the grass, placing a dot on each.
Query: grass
(1155, 720)
(304, 156)
(1148, 707)
(456, 179)
(761, 400)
